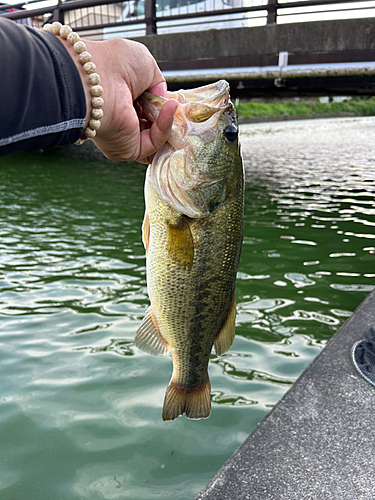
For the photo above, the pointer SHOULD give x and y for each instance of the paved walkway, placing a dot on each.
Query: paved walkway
(319, 441)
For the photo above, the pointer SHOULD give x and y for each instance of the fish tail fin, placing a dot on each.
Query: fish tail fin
(195, 403)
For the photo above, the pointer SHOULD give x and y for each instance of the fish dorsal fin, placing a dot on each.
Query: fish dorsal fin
(180, 242)
(146, 232)
(225, 338)
(148, 336)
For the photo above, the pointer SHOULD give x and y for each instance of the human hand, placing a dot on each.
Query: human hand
(126, 70)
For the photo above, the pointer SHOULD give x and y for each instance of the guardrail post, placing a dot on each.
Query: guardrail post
(271, 17)
(57, 14)
(150, 17)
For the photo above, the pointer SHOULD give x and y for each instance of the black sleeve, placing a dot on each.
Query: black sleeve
(42, 101)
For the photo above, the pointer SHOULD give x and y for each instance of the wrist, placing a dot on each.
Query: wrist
(83, 77)
(90, 80)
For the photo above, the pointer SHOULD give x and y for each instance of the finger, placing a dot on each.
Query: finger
(153, 139)
(166, 116)
(160, 89)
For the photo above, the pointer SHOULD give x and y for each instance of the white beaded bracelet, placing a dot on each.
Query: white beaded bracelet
(96, 90)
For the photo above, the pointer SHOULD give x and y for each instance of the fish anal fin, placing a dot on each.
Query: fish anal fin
(180, 243)
(148, 337)
(225, 338)
(146, 232)
(196, 403)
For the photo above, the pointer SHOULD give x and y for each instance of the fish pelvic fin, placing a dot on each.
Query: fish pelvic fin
(148, 336)
(195, 402)
(225, 338)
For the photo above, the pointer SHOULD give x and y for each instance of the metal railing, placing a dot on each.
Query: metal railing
(106, 18)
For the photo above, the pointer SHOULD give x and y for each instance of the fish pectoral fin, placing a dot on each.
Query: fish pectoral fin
(180, 242)
(148, 336)
(225, 338)
(195, 402)
(146, 231)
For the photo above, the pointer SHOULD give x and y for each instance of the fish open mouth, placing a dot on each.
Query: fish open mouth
(212, 94)
(197, 107)
(175, 172)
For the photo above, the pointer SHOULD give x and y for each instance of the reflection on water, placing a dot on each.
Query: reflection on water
(80, 405)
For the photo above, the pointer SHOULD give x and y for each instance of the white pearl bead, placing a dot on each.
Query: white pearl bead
(90, 133)
(65, 31)
(97, 102)
(94, 79)
(94, 124)
(96, 91)
(56, 26)
(97, 113)
(84, 57)
(89, 67)
(72, 38)
(79, 47)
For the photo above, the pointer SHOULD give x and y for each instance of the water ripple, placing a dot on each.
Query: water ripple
(80, 404)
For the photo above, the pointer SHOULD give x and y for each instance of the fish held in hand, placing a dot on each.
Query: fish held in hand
(192, 233)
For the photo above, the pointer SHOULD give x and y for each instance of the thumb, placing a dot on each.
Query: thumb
(151, 140)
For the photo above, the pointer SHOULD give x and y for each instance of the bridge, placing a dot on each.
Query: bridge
(257, 48)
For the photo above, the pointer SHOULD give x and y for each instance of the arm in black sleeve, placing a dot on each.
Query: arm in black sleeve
(42, 101)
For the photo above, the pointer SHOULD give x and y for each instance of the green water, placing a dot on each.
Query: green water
(80, 406)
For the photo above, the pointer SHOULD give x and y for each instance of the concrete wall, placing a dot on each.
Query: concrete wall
(327, 41)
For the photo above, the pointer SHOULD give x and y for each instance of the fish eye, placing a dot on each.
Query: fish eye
(231, 133)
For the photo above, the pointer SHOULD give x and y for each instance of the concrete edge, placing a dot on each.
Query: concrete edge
(342, 340)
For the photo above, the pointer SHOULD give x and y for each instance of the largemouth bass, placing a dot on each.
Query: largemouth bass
(192, 232)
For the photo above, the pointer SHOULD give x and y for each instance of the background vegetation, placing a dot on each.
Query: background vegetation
(303, 107)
